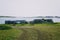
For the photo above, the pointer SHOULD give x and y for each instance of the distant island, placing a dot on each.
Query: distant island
(48, 16)
(43, 17)
(31, 17)
(7, 17)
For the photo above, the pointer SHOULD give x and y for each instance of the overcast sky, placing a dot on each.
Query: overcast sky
(29, 8)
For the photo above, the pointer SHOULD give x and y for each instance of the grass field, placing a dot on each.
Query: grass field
(32, 32)
(49, 31)
(11, 34)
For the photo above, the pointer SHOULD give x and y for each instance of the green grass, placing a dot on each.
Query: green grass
(37, 32)
(45, 31)
(11, 34)
(49, 31)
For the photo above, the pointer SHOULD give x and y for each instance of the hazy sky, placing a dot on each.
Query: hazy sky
(29, 7)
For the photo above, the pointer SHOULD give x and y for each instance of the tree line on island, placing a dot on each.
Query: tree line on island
(35, 21)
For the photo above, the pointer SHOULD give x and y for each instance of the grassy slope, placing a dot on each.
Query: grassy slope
(49, 31)
(45, 32)
(11, 34)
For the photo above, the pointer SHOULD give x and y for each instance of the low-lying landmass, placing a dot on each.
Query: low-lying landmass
(31, 17)
(7, 17)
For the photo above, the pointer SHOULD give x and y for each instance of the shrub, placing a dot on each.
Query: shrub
(37, 21)
(5, 27)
